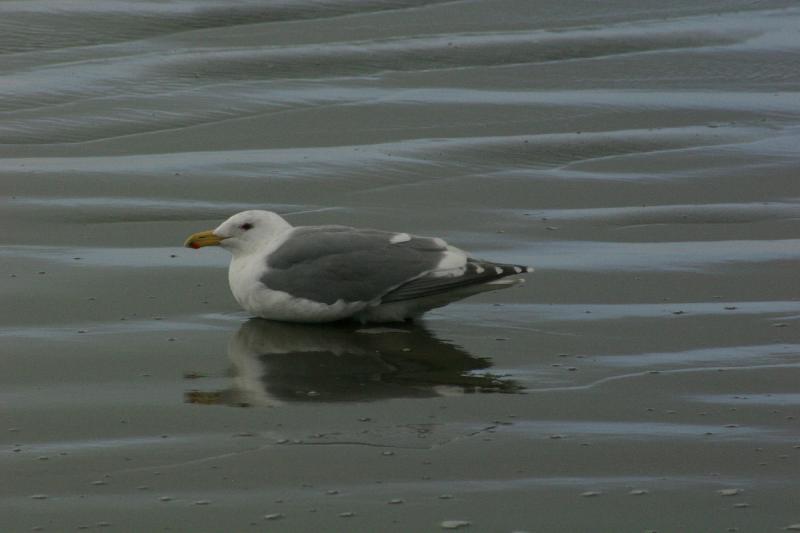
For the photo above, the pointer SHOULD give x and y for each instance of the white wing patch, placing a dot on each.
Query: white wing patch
(452, 264)
(399, 238)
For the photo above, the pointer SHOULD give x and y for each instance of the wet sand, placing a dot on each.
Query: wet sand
(641, 155)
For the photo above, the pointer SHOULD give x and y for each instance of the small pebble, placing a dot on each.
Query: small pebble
(793, 527)
(729, 492)
(591, 493)
(39, 496)
(741, 505)
(395, 501)
(347, 514)
(165, 499)
(273, 516)
(202, 502)
(638, 492)
(445, 496)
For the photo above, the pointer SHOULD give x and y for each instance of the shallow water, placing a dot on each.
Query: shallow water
(641, 155)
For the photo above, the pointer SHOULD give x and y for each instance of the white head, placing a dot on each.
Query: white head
(241, 233)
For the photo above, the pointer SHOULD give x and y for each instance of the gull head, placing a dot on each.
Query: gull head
(242, 233)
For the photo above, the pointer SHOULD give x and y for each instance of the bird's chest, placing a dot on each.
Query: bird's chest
(244, 279)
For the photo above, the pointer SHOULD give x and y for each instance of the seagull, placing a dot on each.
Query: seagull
(328, 273)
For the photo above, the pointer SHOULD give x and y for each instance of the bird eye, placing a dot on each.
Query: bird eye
(246, 226)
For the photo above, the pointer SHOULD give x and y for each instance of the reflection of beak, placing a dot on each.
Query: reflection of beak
(203, 238)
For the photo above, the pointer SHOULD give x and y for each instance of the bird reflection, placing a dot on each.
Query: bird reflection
(275, 363)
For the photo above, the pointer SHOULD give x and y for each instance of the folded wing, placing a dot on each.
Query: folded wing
(326, 264)
(475, 273)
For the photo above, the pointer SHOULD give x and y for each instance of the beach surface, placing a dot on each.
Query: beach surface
(642, 156)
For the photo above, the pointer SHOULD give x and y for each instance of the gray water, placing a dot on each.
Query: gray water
(641, 155)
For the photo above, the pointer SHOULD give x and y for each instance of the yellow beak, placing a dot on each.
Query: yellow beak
(203, 238)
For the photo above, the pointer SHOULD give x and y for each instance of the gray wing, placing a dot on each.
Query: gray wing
(330, 263)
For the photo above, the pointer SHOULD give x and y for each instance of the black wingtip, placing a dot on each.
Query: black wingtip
(509, 270)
